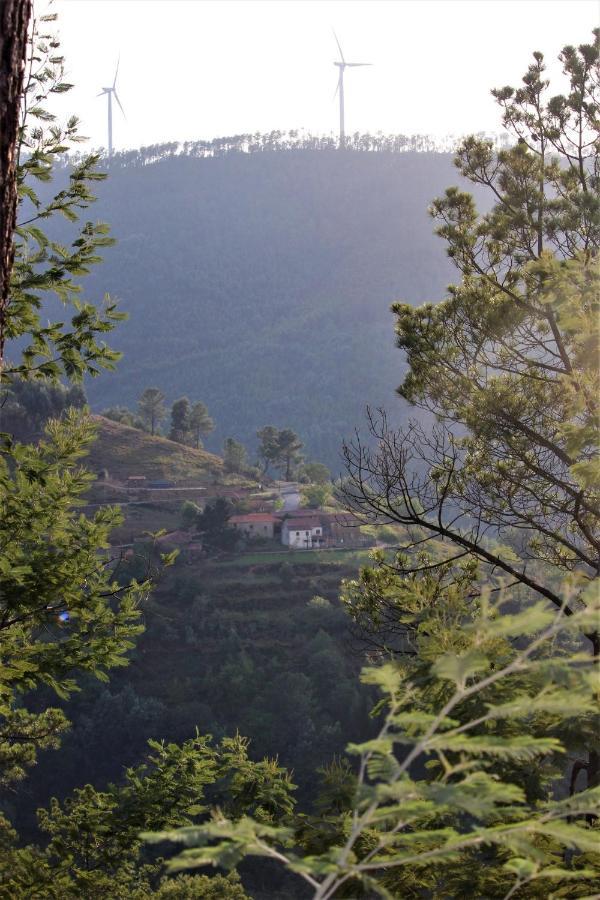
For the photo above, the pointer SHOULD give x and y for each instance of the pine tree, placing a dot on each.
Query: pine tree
(14, 29)
(63, 610)
(201, 423)
(234, 455)
(151, 408)
(289, 446)
(510, 357)
(279, 448)
(180, 420)
(485, 688)
(268, 448)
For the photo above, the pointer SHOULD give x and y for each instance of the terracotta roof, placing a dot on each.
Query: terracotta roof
(252, 517)
(303, 524)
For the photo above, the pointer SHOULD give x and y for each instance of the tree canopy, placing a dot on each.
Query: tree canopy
(151, 408)
(280, 449)
(478, 623)
(508, 363)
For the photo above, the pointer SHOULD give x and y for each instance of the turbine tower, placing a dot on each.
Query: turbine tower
(342, 66)
(109, 91)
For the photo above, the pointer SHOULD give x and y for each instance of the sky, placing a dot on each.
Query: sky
(198, 69)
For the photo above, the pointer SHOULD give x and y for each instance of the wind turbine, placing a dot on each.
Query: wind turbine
(109, 91)
(342, 66)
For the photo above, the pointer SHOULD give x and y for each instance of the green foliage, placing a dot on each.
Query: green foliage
(189, 513)
(482, 700)
(268, 447)
(212, 525)
(315, 495)
(278, 209)
(151, 408)
(316, 473)
(44, 265)
(510, 355)
(227, 647)
(234, 456)
(507, 363)
(189, 423)
(289, 456)
(27, 405)
(93, 847)
(180, 420)
(482, 713)
(124, 416)
(64, 612)
(200, 887)
(201, 423)
(280, 449)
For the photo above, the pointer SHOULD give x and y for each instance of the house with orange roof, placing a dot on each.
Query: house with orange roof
(255, 525)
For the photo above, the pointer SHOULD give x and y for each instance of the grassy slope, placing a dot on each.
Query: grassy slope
(125, 451)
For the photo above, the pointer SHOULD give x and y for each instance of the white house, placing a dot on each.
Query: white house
(303, 533)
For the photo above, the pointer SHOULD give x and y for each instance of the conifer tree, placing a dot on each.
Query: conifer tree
(280, 449)
(486, 688)
(268, 447)
(234, 455)
(289, 446)
(201, 423)
(151, 408)
(180, 420)
(14, 29)
(510, 357)
(63, 610)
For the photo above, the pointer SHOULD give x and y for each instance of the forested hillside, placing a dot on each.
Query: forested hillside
(261, 282)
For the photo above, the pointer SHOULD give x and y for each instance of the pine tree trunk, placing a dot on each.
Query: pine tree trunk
(14, 24)
(593, 764)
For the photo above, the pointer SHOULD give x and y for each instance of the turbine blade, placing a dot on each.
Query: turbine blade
(339, 81)
(354, 65)
(119, 102)
(339, 45)
(116, 70)
(101, 94)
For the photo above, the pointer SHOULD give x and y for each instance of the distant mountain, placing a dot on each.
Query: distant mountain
(261, 282)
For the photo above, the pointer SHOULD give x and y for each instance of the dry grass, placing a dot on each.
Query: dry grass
(125, 451)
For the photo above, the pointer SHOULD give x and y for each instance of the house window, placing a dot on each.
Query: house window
(317, 530)
(297, 534)
(307, 532)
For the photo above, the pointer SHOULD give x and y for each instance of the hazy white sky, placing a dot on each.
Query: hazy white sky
(195, 69)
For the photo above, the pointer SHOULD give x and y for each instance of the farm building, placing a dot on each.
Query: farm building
(302, 533)
(254, 525)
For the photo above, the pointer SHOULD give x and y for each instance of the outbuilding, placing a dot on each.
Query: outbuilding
(254, 525)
